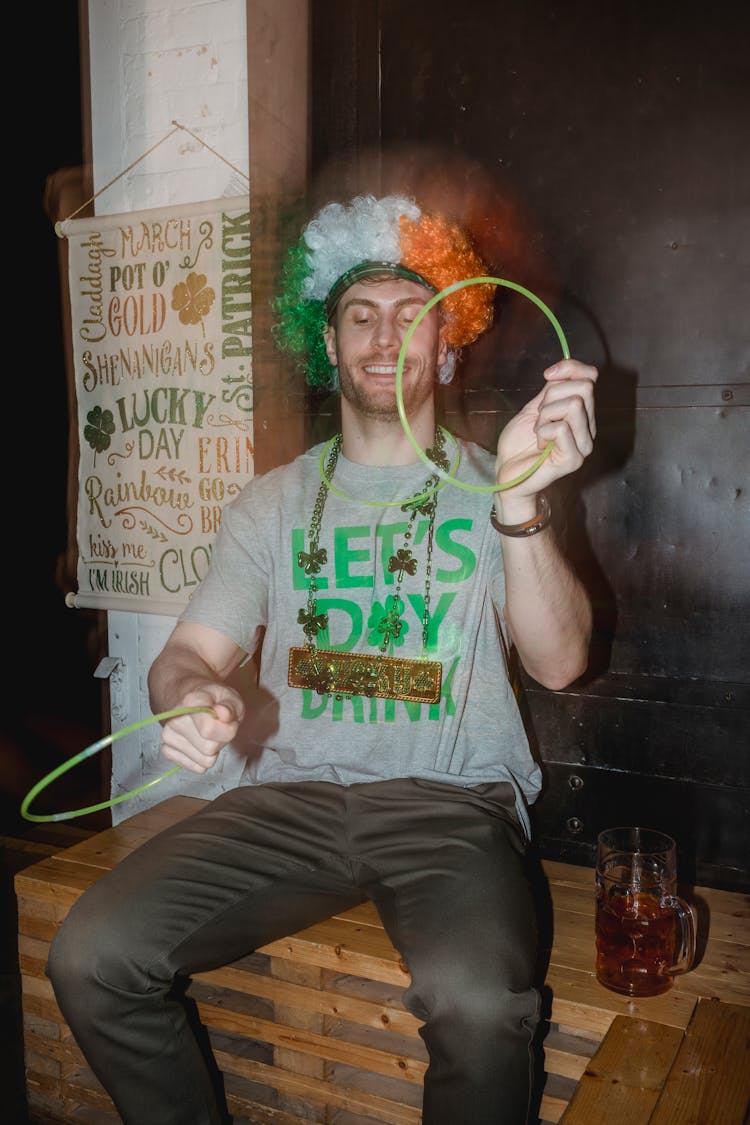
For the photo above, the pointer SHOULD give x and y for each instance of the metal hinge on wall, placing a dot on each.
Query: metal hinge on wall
(114, 669)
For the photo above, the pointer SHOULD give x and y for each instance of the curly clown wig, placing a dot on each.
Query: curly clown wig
(370, 237)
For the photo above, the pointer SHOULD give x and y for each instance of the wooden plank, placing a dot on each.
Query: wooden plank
(54, 1049)
(622, 1083)
(285, 1058)
(39, 919)
(568, 874)
(723, 976)
(61, 878)
(46, 1085)
(39, 1001)
(360, 950)
(366, 914)
(309, 1043)
(319, 1092)
(574, 898)
(160, 816)
(241, 1107)
(578, 1000)
(567, 1055)
(58, 879)
(44, 1029)
(728, 910)
(32, 956)
(41, 1062)
(326, 1003)
(556, 1095)
(710, 1079)
(103, 849)
(551, 1109)
(370, 941)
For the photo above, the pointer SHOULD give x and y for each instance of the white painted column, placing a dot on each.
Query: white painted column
(153, 62)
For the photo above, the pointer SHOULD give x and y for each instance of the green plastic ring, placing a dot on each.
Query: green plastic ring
(94, 748)
(450, 478)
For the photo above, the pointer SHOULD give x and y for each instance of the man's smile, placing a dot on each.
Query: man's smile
(381, 368)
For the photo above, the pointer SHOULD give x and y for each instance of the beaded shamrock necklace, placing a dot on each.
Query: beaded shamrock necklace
(381, 674)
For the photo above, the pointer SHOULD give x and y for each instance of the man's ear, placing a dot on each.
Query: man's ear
(442, 354)
(329, 337)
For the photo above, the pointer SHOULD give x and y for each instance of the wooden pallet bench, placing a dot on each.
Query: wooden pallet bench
(645, 1073)
(312, 1028)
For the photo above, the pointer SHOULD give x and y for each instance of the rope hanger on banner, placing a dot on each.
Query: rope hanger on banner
(177, 127)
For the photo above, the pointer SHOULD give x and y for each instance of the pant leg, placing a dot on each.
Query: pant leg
(454, 897)
(252, 866)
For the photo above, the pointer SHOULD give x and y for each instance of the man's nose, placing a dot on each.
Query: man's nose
(386, 331)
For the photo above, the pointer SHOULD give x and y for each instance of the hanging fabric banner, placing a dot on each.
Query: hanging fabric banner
(161, 327)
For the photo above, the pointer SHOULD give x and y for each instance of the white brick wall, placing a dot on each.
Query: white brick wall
(152, 62)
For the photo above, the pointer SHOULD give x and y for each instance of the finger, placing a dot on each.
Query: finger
(560, 375)
(200, 764)
(219, 723)
(220, 702)
(225, 712)
(571, 369)
(200, 730)
(570, 395)
(186, 752)
(572, 438)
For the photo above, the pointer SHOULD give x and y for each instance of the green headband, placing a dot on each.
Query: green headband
(370, 269)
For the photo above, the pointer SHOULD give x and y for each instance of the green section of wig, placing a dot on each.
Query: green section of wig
(302, 321)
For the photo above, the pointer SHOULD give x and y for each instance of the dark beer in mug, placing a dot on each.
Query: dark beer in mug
(644, 932)
(635, 943)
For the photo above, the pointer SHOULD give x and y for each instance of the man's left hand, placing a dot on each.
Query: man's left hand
(563, 413)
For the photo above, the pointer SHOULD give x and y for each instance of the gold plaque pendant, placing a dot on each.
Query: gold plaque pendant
(354, 673)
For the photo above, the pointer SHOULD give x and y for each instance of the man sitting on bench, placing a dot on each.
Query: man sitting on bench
(379, 578)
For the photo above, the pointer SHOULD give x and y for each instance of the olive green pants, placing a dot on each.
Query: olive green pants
(445, 869)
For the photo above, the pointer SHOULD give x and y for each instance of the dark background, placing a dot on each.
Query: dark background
(52, 703)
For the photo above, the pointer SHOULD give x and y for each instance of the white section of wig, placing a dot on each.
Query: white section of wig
(448, 368)
(341, 236)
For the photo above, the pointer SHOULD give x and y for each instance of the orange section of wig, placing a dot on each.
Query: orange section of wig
(442, 254)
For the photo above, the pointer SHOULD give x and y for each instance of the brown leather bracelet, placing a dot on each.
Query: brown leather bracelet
(521, 530)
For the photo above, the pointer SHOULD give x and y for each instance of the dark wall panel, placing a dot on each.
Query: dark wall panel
(599, 152)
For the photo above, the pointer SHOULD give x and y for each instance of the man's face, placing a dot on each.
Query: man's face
(364, 342)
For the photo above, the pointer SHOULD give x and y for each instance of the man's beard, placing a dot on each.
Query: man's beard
(376, 399)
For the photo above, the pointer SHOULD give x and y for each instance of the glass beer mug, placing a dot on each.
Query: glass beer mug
(644, 932)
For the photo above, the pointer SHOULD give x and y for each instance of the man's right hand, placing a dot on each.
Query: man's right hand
(195, 741)
(191, 671)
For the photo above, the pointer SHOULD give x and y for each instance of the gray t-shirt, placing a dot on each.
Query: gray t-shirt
(254, 591)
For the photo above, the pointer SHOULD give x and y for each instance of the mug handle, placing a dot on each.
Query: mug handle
(687, 943)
